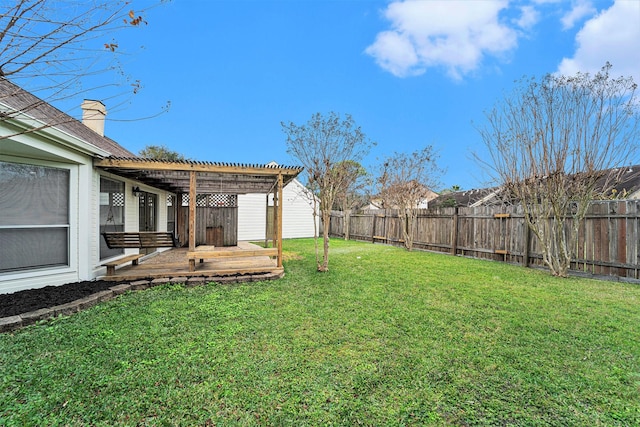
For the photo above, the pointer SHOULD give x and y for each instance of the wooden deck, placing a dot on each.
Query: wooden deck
(174, 263)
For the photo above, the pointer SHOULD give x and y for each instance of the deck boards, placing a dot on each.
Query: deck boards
(174, 263)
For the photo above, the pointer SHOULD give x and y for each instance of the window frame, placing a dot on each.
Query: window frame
(70, 226)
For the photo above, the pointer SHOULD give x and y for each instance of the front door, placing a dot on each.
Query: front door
(148, 214)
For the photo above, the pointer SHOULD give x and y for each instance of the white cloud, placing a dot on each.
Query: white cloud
(579, 10)
(529, 17)
(611, 36)
(456, 35)
(395, 52)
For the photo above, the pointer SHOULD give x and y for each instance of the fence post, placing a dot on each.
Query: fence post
(454, 232)
(527, 239)
(373, 228)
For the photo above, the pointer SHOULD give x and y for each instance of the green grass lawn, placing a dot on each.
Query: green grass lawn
(386, 337)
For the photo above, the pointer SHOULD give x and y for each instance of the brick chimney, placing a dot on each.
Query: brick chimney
(93, 113)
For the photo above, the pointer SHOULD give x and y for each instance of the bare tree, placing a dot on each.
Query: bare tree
(320, 145)
(50, 47)
(356, 182)
(554, 145)
(404, 181)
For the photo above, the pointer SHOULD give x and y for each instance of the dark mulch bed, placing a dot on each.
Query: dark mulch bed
(34, 299)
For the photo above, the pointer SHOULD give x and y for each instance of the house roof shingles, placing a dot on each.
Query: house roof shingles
(461, 198)
(20, 100)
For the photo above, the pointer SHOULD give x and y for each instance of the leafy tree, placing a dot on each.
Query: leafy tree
(404, 181)
(161, 152)
(321, 146)
(554, 144)
(452, 189)
(446, 200)
(50, 47)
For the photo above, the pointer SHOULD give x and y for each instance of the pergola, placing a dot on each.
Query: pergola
(196, 177)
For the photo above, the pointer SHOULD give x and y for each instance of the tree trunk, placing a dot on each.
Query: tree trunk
(345, 220)
(326, 217)
(316, 235)
(405, 216)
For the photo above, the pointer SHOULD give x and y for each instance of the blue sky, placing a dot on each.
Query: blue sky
(411, 73)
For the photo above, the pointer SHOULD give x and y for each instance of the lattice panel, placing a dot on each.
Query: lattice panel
(118, 199)
(223, 200)
(201, 200)
(213, 200)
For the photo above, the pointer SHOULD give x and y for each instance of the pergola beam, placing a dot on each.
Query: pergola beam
(189, 166)
(213, 178)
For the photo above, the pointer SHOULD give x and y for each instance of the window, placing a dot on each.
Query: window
(111, 213)
(34, 217)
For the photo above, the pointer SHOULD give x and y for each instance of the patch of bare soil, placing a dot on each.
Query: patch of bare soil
(50, 296)
(291, 256)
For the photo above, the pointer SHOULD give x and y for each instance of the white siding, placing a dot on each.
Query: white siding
(297, 217)
(252, 214)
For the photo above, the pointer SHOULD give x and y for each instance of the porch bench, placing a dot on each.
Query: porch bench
(140, 239)
(111, 266)
(207, 252)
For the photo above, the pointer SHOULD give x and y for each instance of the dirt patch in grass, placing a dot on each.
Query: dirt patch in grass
(49, 296)
(291, 256)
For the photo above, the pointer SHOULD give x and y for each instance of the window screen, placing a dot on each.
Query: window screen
(34, 216)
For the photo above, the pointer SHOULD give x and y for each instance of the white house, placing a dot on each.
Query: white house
(63, 183)
(297, 218)
(53, 202)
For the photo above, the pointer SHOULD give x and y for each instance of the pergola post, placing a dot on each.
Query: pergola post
(266, 222)
(177, 228)
(192, 211)
(278, 210)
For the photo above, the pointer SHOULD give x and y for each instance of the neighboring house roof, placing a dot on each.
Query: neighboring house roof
(627, 186)
(21, 101)
(465, 198)
(378, 203)
(373, 204)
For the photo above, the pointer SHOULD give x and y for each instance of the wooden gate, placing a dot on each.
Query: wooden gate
(216, 215)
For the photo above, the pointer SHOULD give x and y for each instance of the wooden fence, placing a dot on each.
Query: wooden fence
(608, 241)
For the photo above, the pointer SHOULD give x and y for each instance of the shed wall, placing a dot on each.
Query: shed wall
(297, 217)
